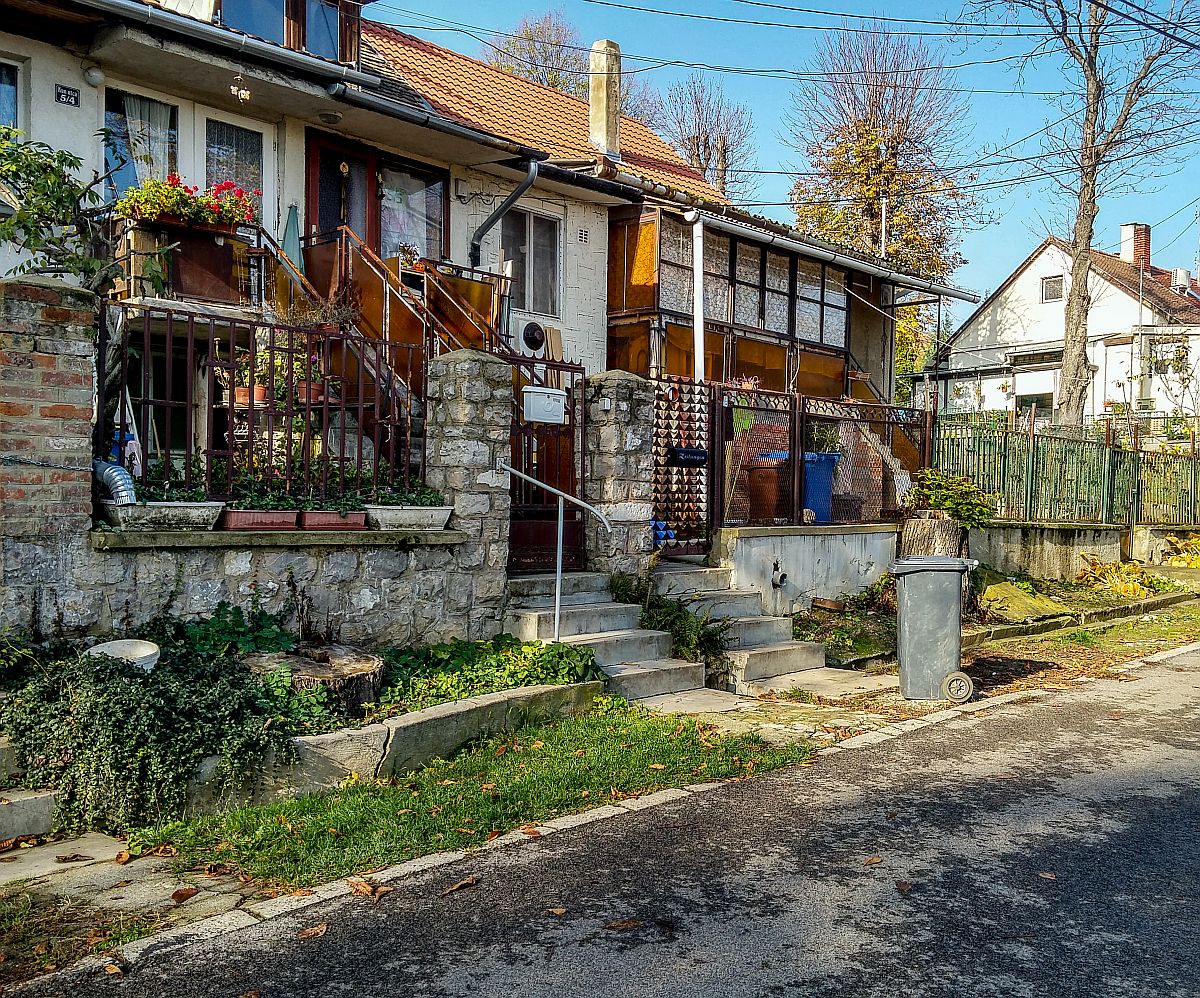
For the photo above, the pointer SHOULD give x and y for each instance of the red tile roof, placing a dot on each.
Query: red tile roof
(489, 99)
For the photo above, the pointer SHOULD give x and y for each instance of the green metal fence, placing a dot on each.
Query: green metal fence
(1044, 477)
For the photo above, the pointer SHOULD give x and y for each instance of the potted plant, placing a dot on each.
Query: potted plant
(343, 512)
(164, 503)
(416, 509)
(259, 505)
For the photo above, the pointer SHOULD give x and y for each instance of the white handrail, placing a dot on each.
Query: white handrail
(558, 562)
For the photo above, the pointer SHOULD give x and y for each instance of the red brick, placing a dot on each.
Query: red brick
(30, 292)
(47, 360)
(76, 316)
(61, 411)
(15, 409)
(15, 358)
(60, 378)
(58, 477)
(23, 476)
(9, 493)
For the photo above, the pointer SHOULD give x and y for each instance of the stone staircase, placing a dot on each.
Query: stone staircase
(638, 662)
(762, 653)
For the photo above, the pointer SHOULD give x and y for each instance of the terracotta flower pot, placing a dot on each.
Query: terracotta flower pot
(242, 394)
(259, 519)
(324, 519)
(310, 392)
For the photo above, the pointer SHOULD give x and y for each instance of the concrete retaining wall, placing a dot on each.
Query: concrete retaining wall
(1149, 544)
(398, 745)
(819, 561)
(1044, 551)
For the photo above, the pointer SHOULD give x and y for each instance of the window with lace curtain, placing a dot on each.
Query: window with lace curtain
(142, 141)
(233, 153)
(8, 95)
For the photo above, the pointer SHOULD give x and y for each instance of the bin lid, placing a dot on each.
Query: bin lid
(932, 563)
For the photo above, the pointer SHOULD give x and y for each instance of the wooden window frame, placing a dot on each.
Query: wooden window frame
(295, 18)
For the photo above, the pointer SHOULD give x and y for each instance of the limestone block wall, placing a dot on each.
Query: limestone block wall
(58, 576)
(619, 470)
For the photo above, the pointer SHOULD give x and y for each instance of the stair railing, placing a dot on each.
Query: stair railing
(563, 497)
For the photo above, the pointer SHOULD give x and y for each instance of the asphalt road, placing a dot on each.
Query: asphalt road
(1051, 848)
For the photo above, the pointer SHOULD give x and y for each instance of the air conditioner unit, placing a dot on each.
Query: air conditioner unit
(1145, 405)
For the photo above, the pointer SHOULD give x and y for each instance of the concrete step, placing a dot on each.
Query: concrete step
(590, 618)
(673, 581)
(704, 701)
(768, 661)
(725, 605)
(568, 599)
(617, 647)
(27, 812)
(532, 586)
(634, 680)
(829, 684)
(748, 632)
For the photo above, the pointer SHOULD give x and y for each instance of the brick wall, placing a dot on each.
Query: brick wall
(47, 380)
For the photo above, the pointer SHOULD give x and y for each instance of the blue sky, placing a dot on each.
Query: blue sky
(1021, 211)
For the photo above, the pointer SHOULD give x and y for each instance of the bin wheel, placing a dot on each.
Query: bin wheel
(957, 687)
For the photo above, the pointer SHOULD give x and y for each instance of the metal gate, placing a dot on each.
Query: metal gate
(552, 454)
(683, 464)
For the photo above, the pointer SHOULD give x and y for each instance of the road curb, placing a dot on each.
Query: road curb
(253, 914)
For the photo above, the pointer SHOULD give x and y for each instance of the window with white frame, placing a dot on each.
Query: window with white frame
(530, 249)
(150, 138)
(1052, 288)
(9, 95)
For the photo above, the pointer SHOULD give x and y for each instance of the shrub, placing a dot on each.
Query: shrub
(120, 744)
(961, 498)
(421, 677)
(694, 637)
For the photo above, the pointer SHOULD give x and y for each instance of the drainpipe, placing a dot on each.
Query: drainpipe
(501, 211)
(697, 222)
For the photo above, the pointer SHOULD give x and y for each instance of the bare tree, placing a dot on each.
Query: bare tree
(549, 50)
(1130, 91)
(713, 133)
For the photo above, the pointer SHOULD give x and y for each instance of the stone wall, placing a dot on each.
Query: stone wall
(1044, 551)
(57, 576)
(619, 470)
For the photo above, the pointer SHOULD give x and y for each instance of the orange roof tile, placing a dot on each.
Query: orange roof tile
(489, 99)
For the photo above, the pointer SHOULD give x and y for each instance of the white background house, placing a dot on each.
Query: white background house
(1007, 354)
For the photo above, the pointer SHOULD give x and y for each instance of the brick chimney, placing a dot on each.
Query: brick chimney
(1135, 244)
(604, 98)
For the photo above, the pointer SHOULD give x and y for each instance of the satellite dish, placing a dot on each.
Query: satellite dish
(533, 336)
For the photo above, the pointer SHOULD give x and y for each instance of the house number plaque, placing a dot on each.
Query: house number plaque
(66, 95)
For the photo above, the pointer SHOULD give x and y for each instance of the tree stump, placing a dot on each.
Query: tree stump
(352, 677)
(926, 535)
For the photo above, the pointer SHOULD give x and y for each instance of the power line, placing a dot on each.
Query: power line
(1186, 43)
(1159, 17)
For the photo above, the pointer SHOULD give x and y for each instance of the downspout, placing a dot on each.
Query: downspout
(697, 222)
(500, 212)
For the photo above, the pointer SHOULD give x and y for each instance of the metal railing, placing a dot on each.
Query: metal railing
(563, 497)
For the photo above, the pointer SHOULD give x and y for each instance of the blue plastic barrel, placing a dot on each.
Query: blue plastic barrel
(818, 483)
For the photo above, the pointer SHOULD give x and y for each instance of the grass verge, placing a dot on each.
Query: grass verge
(42, 933)
(511, 781)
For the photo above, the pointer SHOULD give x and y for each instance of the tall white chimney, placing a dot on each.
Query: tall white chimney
(604, 98)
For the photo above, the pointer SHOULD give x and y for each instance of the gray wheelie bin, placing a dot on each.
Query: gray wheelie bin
(929, 628)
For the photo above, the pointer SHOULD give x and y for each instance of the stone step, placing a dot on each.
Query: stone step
(725, 605)
(616, 647)
(26, 812)
(634, 680)
(749, 632)
(526, 586)
(672, 581)
(568, 599)
(590, 618)
(829, 684)
(768, 661)
(706, 701)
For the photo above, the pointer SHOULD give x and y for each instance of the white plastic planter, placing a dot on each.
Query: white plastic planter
(162, 515)
(408, 517)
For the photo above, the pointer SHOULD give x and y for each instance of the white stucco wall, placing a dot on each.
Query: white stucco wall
(583, 279)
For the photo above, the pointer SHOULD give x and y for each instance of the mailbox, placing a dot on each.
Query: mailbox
(544, 405)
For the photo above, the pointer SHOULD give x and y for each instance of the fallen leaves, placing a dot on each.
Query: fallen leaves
(74, 857)
(872, 861)
(470, 881)
(184, 894)
(41, 949)
(313, 931)
(363, 888)
(531, 831)
(1047, 875)
(123, 857)
(904, 886)
(494, 834)
(623, 924)
(656, 765)
(113, 970)
(18, 842)
(556, 912)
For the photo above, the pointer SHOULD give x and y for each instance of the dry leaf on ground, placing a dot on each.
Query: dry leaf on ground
(361, 887)
(623, 924)
(872, 861)
(470, 881)
(1047, 875)
(184, 894)
(532, 832)
(313, 931)
(122, 857)
(656, 765)
(557, 912)
(113, 970)
(74, 857)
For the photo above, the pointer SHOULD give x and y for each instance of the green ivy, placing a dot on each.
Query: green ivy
(421, 677)
(120, 744)
(961, 498)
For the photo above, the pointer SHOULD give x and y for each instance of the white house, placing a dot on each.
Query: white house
(1143, 336)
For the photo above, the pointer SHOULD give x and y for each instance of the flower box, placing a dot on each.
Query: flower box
(324, 519)
(259, 519)
(408, 517)
(161, 515)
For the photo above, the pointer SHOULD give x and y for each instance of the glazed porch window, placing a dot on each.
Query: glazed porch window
(321, 29)
(412, 206)
(261, 18)
(142, 142)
